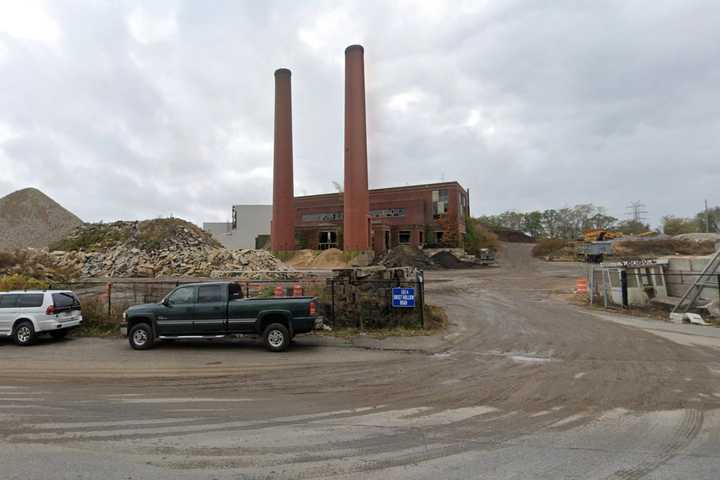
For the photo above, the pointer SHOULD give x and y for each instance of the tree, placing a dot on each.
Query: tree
(551, 223)
(713, 219)
(633, 227)
(677, 225)
(532, 224)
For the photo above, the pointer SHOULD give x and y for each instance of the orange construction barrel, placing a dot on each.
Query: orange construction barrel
(279, 291)
(581, 285)
(297, 291)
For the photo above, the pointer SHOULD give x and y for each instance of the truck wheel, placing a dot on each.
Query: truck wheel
(141, 337)
(59, 334)
(24, 333)
(276, 337)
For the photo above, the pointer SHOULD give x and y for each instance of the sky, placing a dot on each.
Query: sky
(132, 110)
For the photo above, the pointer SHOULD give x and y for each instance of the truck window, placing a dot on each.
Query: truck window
(210, 293)
(182, 296)
(235, 291)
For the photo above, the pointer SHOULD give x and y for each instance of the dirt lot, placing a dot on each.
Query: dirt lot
(523, 385)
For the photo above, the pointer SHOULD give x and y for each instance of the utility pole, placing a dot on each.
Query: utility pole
(707, 218)
(636, 211)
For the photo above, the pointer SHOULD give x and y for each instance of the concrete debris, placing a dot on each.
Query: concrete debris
(699, 237)
(154, 248)
(124, 261)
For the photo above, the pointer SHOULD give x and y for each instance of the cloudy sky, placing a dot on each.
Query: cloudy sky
(125, 110)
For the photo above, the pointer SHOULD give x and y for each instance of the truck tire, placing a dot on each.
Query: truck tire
(24, 333)
(141, 337)
(276, 337)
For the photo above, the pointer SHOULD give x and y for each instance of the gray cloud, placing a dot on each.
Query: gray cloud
(143, 109)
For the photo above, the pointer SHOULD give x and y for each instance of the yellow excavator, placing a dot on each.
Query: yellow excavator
(600, 234)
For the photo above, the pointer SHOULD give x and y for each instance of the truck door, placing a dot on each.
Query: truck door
(176, 318)
(242, 312)
(210, 315)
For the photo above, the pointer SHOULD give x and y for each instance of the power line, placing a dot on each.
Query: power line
(636, 211)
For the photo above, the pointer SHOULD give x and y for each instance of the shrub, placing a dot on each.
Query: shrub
(478, 237)
(21, 282)
(97, 320)
(548, 246)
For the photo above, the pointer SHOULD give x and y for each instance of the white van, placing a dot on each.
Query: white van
(25, 314)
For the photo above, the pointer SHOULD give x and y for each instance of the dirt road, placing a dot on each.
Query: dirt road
(522, 386)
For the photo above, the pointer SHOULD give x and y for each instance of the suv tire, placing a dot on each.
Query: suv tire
(141, 337)
(24, 333)
(276, 337)
(59, 334)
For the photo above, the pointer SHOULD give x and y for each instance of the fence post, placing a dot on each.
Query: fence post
(420, 278)
(718, 282)
(332, 300)
(624, 288)
(109, 295)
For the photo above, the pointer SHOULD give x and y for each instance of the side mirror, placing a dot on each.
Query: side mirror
(165, 302)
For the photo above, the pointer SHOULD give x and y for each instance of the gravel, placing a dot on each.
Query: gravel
(29, 218)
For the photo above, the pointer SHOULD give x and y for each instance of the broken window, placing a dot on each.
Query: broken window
(439, 237)
(327, 240)
(404, 236)
(440, 202)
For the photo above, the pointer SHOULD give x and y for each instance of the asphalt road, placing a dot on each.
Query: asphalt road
(523, 385)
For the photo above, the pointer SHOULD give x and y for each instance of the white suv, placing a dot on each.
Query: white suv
(25, 314)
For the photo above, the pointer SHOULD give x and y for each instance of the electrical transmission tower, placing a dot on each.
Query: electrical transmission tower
(636, 211)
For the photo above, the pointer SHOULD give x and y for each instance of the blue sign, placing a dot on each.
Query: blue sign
(403, 297)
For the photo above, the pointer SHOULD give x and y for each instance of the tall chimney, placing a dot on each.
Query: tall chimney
(356, 235)
(282, 229)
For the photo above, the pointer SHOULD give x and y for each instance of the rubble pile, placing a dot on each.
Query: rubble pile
(155, 248)
(36, 263)
(406, 256)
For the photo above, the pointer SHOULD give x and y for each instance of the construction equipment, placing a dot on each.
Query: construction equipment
(600, 234)
(708, 278)
(593, 252)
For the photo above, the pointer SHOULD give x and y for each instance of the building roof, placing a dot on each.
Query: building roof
(391, 189)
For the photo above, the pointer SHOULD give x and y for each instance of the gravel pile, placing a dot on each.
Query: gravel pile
(29, 218)
(406, 256)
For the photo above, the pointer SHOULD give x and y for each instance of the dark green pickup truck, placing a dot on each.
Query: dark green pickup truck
(218, 309)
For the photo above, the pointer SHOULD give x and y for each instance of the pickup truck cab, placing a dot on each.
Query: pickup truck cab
(216, 310)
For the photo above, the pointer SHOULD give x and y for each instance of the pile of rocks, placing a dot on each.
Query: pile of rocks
(124, 261)
(155, 248)
(38, 264)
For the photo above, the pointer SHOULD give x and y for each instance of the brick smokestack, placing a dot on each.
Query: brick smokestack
(356, 235)
(282, 230)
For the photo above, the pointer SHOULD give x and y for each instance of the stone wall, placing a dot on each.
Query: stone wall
(362, 298)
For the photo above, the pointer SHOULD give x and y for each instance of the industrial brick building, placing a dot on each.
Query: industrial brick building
(357, 219)
(420, 215)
